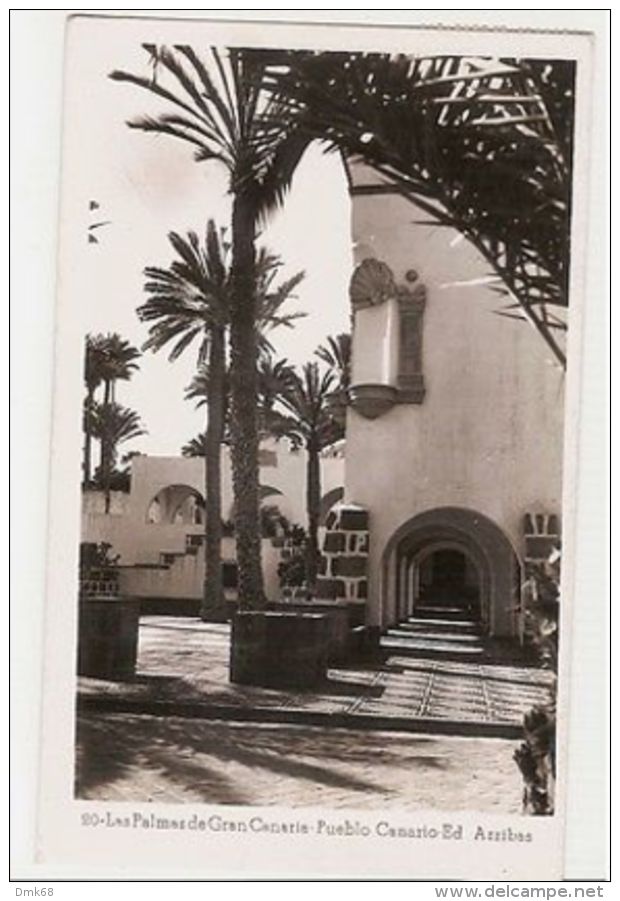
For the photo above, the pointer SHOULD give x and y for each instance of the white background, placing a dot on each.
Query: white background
(35, 120)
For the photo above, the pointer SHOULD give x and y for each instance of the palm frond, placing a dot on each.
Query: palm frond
(447, 131)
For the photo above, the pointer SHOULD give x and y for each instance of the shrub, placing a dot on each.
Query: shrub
(292, 567)
(95, 556)
(536, 755)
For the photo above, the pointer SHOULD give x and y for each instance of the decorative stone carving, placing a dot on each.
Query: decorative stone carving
(372, 283)
(371, 401)
(411, 303)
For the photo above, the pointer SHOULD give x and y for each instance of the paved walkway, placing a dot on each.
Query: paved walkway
(127, 757)
(425, 684)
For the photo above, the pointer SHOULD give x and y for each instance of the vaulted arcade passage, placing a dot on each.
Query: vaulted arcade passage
(452, 559)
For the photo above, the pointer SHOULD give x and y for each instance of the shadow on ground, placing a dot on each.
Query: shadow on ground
(204, 758)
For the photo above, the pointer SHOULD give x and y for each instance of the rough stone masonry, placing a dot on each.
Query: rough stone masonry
(344, 563)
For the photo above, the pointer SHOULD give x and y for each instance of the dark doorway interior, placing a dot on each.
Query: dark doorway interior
(448, 579)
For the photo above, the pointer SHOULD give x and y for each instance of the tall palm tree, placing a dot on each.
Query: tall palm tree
(201, 388)
(119, 363)
(191, 301)
(220, 108)
(482, 145)
(272, 374)
(305, 420)
(113, 425)
(107, 359)
(94, 364)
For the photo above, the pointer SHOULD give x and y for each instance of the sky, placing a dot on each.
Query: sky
(147, 185)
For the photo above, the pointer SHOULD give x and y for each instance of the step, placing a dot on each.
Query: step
(450, 613)
(427, 635)
(466, 627)
(432, 649)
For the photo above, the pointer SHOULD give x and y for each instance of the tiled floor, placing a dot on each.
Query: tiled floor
(187, 660)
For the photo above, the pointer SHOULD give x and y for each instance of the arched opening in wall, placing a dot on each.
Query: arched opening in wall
(266, 495)
(329, 499)
(266, 491)
(270, 512)
(177, 505)
(272, 521)
(452, 559)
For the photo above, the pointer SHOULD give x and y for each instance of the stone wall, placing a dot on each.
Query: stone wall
(541, 532)
(344, 563)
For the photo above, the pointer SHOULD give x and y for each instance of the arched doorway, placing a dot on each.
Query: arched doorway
(453, 559)
(177, 504)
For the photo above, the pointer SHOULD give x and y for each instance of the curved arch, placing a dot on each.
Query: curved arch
(177, 502)
(439, 545)
(476, 564)
(265, 491)
(480, 540)
(327, 502)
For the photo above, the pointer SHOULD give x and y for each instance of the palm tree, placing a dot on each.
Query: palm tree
(307, 423)
(271, 375)
(118, 363)
(107, 359)
(221, 109)
(337, 354)
(195, 447)
(113, 425)
(484, 146)
(275, 377)
(191, 300)
(94, 363)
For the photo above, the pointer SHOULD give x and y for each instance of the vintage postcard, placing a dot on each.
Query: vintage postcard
(312, 532)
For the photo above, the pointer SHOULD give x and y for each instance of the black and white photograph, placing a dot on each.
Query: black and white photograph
(318, 311)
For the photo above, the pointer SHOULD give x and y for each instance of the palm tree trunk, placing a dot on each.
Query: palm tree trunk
(244, 414)
(313, 508)
(88, 438)
(106, 470)
(106, 451)
(213, 593)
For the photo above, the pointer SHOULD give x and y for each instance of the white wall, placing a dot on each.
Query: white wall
(138, 541)
(184, 577)
(488, 435)
(94, 501)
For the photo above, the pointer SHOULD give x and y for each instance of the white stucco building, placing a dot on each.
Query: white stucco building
(455, 420)
(157, 529)
(454, 433)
